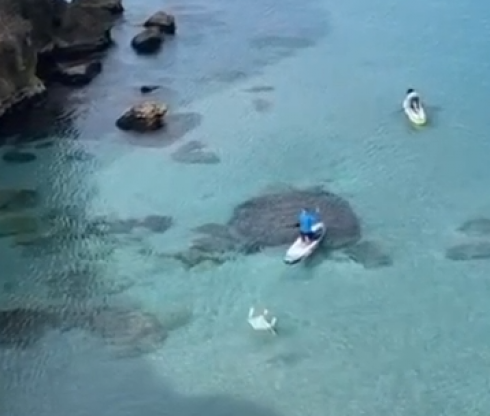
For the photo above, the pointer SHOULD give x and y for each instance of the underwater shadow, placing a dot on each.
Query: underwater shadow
(103, 386)
(51, 116)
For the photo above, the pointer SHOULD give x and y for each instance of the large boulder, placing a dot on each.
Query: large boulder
(269, 220)
(82, 31)
(113, 7)
(142, 117)
(163, 21)
(148, 41)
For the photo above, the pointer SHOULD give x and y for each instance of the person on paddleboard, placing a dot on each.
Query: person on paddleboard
(307, 221)
(412, 99)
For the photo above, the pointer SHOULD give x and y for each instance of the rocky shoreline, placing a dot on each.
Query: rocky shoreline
(41, 40)
(56, 41)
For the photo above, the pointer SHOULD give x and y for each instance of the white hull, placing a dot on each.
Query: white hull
(416, 117)
(300, 250)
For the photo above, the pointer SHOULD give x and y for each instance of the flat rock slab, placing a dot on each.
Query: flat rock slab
(269, 220)
(471, 251)
(18, 157)
(195, 153)
(476, 227)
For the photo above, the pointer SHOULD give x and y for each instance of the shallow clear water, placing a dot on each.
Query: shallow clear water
(410, 339)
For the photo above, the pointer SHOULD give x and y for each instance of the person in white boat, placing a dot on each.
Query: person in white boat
(307, 221)
(412, 100)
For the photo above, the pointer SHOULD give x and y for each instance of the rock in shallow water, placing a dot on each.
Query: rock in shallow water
(195, 153)
(146, 116)
(470, 251)
(128, 328)
(476, 227)
(156, 223)
(146, 89)
(163, 21)
(18, 199)
(269, 220)
(215, 230)
(262, 105)
(21, 327)
(18, 224)
(148, 41)
(194, 257)
(18, 157)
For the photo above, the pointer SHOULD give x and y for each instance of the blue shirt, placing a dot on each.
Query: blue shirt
(306, 222)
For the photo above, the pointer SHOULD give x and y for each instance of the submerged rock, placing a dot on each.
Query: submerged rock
(470, 251)
(156, 223)
(77, 74)
(134, 330)
(143, 117)
(148, 41)
(476, 227)
(194, 257)
(369, 254)
(163, 21)
(260, 89)
(215, 229)
(269, 220)
(17, 224)
(211, 244)
(18, 157)
(128, 328)
(18, 199)
(79, 156)
(195, 153)
(20, 327)
(262, 105)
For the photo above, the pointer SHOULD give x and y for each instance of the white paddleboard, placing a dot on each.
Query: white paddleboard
(300, 250)
(417, 117)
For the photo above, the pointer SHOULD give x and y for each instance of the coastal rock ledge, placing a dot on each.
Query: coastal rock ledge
(36, 35)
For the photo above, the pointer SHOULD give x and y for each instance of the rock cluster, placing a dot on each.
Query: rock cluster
(151, 38)
(51, 39)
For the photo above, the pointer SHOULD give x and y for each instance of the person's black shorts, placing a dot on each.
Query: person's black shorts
(310, 236)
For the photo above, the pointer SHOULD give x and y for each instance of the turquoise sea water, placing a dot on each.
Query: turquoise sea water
(410, 339)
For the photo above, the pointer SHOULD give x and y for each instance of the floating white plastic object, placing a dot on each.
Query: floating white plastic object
(262, 321)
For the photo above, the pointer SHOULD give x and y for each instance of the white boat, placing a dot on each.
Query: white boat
(416, 115)
(300, 250)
